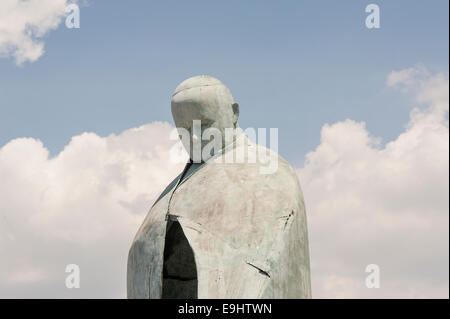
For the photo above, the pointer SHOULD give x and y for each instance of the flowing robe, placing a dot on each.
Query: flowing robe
(247, 230)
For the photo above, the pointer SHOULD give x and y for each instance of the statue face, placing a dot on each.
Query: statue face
(206, 112)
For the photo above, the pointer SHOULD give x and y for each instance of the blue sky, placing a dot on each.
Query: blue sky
(294, 65)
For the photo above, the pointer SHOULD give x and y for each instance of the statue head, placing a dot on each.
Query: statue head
(204, 107)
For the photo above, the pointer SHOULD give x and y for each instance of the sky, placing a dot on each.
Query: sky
(362, 116)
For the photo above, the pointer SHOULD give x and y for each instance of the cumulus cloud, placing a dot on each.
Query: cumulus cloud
(82, 207)
(388, 205)
(24, 23)
(407, 78)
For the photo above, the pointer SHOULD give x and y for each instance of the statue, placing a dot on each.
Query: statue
(222, 229)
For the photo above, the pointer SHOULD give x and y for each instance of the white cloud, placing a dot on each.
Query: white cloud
(388, 205)
(24, 23)
(82, 206)
(407, 78)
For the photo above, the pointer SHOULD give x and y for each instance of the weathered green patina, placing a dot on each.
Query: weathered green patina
(220, 229)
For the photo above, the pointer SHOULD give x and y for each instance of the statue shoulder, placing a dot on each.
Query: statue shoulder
(274, 171)
(169, 187)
